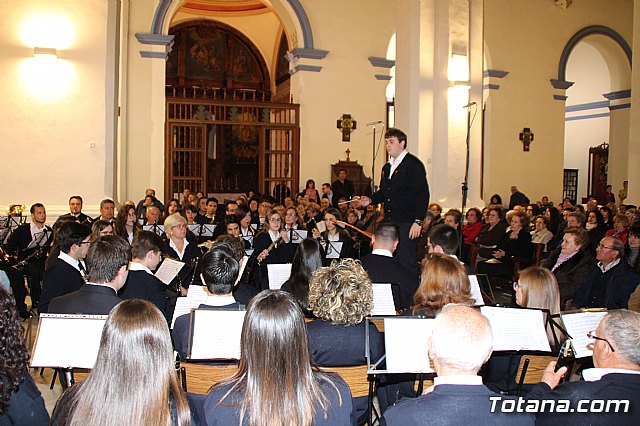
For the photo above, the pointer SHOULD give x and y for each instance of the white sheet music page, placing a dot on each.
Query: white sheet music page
(278, 274)
(578, 324)
(333, 249)
(68, 341)
(216, 334)
(196, 295)
(382, 300)
(407, 344)
(298, 235)
(517, 329)
(168, 270)
(245, 260)
(475, 290)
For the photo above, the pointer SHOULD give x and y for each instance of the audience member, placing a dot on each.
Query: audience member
(541, 235)
(620, 228)
(517, 198)
(107, 261)
(633, 248)
(491, 233)
(342, 187)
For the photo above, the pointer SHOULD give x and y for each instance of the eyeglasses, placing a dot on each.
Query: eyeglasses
(600, 246)
(181, 226)
(275, 219)
(291, 215)
(592, 335)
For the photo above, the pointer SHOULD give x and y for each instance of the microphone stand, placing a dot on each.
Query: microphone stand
(465, 187)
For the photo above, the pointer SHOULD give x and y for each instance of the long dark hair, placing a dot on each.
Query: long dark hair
(306, 261)
(275, 379)
(121, 220)
(554, 220)
(13, 353)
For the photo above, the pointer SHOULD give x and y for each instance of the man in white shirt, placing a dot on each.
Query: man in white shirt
(615, 378)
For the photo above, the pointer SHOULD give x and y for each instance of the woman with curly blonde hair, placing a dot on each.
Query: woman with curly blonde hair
(444, 280)
(340, 296)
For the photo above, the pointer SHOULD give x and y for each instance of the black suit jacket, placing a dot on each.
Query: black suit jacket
(613, 386)
(142, 285)
(89, 300)
(383, 269)
(21, 238)
(454, 405)
(60, 278)
(338, 346)
(406, 195)
(340, 189)
(82, 218)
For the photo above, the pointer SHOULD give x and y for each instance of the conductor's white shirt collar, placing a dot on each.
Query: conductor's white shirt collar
(395, 162)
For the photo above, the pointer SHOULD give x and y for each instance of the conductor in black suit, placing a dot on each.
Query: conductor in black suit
(382, 267)
(107, 261)
(405, 193)
(146, 253)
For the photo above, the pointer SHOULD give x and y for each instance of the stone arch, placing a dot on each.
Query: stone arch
(585, 32)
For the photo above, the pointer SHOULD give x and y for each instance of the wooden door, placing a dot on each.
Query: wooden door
(188, 162)
(278, 166)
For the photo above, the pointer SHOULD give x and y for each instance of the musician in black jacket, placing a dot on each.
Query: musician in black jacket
(271, 245)
(64, 274)
(75, 208)
(405, 193)
(29, 243)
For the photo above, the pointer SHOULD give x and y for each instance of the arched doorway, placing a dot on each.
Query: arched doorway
(227, 129)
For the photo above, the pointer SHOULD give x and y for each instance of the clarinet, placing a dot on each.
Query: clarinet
(273, 245)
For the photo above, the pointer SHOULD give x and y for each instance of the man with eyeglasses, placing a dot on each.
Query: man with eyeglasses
(611, 281)
(615, 378)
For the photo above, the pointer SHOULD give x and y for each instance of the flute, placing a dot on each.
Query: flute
(273, 245)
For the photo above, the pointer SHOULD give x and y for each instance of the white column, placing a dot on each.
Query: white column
(634, 115)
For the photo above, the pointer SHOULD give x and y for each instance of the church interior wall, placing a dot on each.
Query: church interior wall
(519, 36)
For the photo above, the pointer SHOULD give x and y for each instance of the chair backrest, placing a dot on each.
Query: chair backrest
(537, 253)
(472, 258)
(537, 365)
(355, 377)
(200, 377)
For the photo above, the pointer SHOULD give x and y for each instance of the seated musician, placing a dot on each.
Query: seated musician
(107, 261)
(178, 247)
(382, 267)
(270, 246)
(126, 224)
(443, 238)
(107, 210)
(340, 296)
(334, 233)
(75, 212)
(219, 272)
(460, 343)
(65, 272)
(246, 230)
(100, 228)
(307, 260)
(515, 243)
(243, 291)
(29, 243)
(152, 216)
(146, 253)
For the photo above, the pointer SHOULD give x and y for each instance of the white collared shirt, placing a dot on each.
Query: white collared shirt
(135, 266)
(213, 300)
(457, 380)
(609, 266)
(274, 235)
(395, 162)
(37, 232)
(382, 252)
(595, 374)
(70, 260)
(184, 248)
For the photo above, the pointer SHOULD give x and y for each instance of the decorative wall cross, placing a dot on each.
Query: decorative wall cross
(526, 136)
(347, 124)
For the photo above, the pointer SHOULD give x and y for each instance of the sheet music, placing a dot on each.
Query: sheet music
(475, 290)
(407, 344)
(517, 329)
(278, 274)
(196, 295)
(333, 249)
(216, 334)
(159, 229)
(244, 261)
(321, 226)
(168, 270)
(382, 300)
(298, 235)
(578, 324)
(57, 343)
(202, 230)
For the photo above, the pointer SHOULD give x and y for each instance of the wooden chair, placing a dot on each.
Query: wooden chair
(355, 377)
(531, 369)
(198, 378)
(538, 251)
(472, 260)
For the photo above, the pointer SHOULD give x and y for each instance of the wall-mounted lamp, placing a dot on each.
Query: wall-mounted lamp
(45, 52)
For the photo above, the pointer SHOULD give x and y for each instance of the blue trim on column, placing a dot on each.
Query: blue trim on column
(586, 106)
(560, 97)
(491, 86)
(299, 52)
(495, 73)
(587, 117)
(383, 77)
(307, 34)
(620, 94)
(621, 106)
(154, 55)
(381, 62)
(159, 15)
(156, 39)
(577, 37)
(311, 68)
(561, 84)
